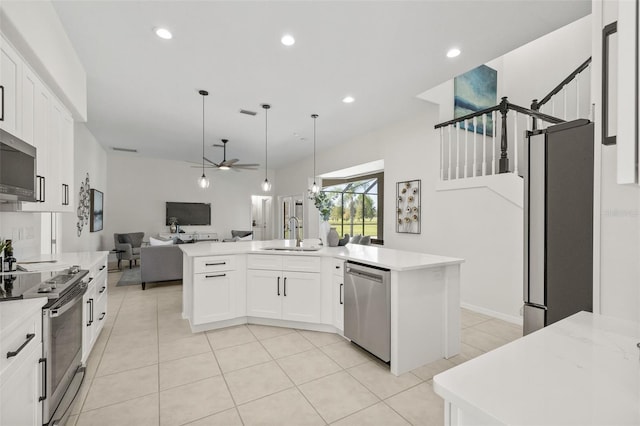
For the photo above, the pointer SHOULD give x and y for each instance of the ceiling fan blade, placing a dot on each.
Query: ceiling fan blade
(218, 145)
(209, 161)
(247, 165)
(229, 162)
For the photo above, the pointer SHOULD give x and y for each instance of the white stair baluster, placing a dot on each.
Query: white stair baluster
(449, 159)
(441, 154)
(493, 150)
(484, 144)
(578, 96)
(458, 151)
(515, 143)
(466, 147)
(564, 101)
(475, 133)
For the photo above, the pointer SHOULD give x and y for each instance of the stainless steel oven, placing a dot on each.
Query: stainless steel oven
(62, 353)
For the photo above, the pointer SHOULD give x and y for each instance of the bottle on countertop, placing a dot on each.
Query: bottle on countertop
(10, 263)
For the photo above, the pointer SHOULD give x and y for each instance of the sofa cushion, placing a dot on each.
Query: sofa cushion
(159, 242)
(356, 239)
(240, 234)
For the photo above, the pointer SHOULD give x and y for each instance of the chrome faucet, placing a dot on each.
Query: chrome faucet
(297, 230)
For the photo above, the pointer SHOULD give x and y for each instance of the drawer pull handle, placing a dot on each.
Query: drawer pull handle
(104, 314)
(30, 337)
(341, 293)
(102, 267)
(215, 276)
(337, 267)
(278, 286)
(44, 380)
(285, 287)
(215, 264)
(103, 289)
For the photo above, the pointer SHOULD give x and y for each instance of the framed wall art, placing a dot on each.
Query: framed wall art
(97, 200)
(473, 91)
(408, 207)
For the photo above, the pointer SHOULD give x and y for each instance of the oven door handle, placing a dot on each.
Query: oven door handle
(44, 379)
(56, 311)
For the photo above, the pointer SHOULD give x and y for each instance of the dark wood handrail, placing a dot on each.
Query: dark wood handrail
(469, 116)
(535, 114)
(535, 105)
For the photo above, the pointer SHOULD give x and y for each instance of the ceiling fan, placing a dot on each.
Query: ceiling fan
(228, 164)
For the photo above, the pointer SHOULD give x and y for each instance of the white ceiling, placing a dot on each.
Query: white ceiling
(143, 91)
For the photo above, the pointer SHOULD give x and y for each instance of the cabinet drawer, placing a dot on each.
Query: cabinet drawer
(213, 263)
(337, 267)
(18, 337)
(301, 263)
(264, 261)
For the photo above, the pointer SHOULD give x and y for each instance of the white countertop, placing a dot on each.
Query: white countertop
(584, 370)
(14, 313)
(85, 259)
(397, 260)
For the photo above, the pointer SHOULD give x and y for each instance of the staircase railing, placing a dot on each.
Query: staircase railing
(481, 145)
(563, 88)
(468, 144)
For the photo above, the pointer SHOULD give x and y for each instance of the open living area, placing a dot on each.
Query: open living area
(327, 212)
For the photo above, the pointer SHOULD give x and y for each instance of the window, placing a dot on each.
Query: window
(358, 205)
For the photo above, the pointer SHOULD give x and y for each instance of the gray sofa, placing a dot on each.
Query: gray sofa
(160, 263)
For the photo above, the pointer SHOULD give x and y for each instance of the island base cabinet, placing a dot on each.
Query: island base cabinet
(20, 390)
(264, 292)
(213, 297)
(292, 296)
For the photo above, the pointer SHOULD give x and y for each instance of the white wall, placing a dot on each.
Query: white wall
(24, 231)
(139, 187)
(89, 157)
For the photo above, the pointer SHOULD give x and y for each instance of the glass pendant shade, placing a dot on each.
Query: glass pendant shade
(203, 182)
(315, 188)
(266, 185)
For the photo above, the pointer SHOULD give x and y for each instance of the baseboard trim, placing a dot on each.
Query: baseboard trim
(499, 315)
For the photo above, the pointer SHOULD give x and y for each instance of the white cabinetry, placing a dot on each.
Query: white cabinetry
(20, 373)
(338, 293)
(95, 307)
(218, 289)
(10, 83)
(31, 112)
(284, 287)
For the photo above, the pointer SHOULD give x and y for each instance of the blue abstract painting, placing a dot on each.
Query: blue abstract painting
(473, 91)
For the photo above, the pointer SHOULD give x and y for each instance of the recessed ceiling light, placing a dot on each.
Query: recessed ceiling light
(452, 53)
(288, 40)
(348, 99)
(163, 33)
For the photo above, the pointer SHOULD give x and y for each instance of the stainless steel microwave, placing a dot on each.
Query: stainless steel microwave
(17, 169)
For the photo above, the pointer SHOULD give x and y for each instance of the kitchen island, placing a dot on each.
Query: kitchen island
(583, 370)
(228, 284)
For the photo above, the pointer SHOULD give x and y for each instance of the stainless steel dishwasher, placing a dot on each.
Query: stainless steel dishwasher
(367, 308)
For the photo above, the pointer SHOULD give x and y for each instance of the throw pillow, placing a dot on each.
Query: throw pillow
(159, 242)
(356, 239)
(365, 241)
(247, 238)
(240, 234)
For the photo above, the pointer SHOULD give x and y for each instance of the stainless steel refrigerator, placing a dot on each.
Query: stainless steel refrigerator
(558, 215)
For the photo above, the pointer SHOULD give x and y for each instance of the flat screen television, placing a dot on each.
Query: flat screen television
(189, 214)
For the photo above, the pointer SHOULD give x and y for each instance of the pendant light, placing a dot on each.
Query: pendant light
(266, 185)
(315, 188)
(203, 181)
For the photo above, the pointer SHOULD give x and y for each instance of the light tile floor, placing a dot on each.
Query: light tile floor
(147, 368)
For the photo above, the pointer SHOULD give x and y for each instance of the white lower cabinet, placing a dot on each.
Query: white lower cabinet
(283, 292)
(95, 309)
(20, 390)
(217, 289)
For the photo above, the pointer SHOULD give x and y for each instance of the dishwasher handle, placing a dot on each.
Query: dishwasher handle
(359, 273)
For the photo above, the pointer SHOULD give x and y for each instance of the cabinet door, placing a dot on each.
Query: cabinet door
(56, 161)
(338, 302)
(10, 80)
(67, 163)
(213, 297)
(20, 389)
(88, 320)
(264, 290)
(301, 295)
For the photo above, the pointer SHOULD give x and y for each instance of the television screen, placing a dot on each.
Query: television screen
(189, 214)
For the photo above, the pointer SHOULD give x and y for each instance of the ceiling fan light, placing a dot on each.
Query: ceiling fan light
(224, 167)
(266, 185)
(203, 182)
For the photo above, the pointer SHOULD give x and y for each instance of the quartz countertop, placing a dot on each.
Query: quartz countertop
(583, 370)
(85, 259)
(397, 260)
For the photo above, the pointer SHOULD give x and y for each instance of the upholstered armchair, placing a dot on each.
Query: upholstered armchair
(128, 246)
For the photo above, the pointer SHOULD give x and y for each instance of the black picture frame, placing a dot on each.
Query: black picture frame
(97, 211)
(607, 32)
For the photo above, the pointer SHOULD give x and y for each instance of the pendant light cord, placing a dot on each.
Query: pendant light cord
(314, 116)
(266, 133)
(203, 135)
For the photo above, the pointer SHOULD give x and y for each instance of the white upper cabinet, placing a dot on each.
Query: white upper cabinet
(32, 113)
(10, 91)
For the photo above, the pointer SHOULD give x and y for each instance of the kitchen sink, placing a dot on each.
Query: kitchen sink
(291, 248)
